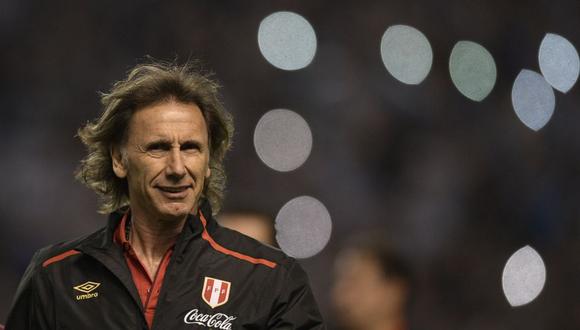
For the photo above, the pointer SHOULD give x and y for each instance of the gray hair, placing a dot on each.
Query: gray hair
(147, 84)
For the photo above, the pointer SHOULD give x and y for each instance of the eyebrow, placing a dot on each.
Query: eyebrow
(166, 142)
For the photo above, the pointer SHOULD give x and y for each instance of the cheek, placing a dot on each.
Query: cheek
(198, 167)
(144, 172)
(206, 170)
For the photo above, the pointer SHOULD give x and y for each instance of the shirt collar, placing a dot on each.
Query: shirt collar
(193, 226)
(104, 238)
(121, 232)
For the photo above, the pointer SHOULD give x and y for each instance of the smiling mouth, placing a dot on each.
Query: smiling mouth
(173, 189)
(174, 192)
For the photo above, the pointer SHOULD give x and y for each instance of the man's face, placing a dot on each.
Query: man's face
(166, 160)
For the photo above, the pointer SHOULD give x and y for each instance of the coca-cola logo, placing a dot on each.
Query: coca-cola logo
(217, 321)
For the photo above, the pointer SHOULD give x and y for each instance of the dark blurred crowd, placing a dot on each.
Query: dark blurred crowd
(451, 186)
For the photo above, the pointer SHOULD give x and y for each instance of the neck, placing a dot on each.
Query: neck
(152, 237)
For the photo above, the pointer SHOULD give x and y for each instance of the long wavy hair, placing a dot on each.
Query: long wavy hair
(147, 84)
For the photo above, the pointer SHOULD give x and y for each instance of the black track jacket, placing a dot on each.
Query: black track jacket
(86, 284)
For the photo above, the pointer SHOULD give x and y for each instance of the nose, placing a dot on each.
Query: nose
(175, 168)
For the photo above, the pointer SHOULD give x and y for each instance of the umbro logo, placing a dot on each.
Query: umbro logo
(87, 288)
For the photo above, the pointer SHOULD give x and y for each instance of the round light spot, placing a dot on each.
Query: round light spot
(559, 62)
(287, 40)
(523, 276)
(283, 140)
(303, 227)
(472, 70)
(406, 53)
(533, 99)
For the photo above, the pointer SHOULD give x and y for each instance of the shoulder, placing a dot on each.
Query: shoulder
(35, 274)
(55, 253)
(284, 274)
(248, 249)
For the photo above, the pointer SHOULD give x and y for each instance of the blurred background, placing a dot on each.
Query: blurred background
(454, 186)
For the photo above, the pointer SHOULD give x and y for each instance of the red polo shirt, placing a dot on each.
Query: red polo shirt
(147, 287)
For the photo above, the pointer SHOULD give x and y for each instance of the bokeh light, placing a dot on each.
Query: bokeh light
(287, 40)
(472, 70)
(523, 276)
(282, 140)
(406, 53)
(533, 99)
(559, 62)
(303, 227)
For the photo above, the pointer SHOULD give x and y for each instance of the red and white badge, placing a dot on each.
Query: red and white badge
(215, 292)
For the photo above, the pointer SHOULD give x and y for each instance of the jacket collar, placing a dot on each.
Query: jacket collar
(103, 239)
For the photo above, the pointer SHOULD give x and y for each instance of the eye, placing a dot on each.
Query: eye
(158, 147)
(190, 146)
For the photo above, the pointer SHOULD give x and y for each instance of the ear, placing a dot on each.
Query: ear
(118, 164)
(208, 172)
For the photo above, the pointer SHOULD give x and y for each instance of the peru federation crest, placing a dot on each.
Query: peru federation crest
(215, 292)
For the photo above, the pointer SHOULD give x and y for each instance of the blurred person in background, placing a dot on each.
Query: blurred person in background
(162, 262)
(371, 290)
(255, 224)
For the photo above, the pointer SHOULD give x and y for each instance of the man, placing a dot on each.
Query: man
(162, 262)
(372, 286)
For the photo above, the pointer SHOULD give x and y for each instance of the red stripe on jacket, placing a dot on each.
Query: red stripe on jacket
(205, 235)
(59, 257)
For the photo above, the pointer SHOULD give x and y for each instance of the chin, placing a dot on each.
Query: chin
(175, 210)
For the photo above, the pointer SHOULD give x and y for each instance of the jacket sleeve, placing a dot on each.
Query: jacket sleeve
(296, 307)
(32, 307)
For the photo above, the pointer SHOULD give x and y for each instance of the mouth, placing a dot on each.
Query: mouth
(174, 192)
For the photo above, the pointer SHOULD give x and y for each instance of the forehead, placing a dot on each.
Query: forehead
(168, 120)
